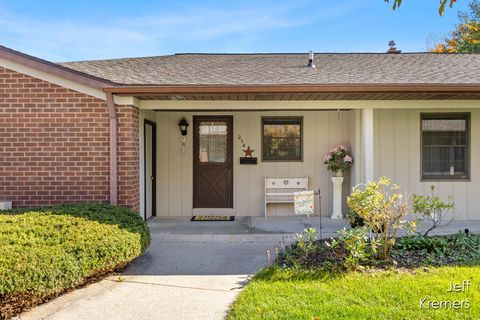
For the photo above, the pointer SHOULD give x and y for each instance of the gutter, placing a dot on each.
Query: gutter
(112, 115)
(326, 88)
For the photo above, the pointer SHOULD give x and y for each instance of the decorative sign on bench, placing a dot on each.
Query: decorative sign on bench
(282, 190)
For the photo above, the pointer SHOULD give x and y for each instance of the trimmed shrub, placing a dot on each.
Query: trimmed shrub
(383, 208)
(47, 251)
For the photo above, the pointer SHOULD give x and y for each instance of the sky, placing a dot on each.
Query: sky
(86, 30)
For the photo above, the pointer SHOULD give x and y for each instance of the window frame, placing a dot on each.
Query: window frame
(448, 116)
(277, 159)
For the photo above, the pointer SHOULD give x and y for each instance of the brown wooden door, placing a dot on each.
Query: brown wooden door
(212, 162)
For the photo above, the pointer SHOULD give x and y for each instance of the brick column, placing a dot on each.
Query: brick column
(128, 157)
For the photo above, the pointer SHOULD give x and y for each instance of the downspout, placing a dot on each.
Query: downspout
(112, 114)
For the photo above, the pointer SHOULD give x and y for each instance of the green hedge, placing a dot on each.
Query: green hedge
(46, 251)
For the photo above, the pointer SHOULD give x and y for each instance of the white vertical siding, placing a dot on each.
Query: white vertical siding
(397, 151)
(322, 131)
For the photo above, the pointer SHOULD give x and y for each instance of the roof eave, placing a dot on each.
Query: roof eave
(54, 69)
(307, 88)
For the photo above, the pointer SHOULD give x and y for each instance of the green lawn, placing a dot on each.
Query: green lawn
(277, 293)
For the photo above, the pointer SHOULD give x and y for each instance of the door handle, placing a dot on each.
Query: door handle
(152, 178)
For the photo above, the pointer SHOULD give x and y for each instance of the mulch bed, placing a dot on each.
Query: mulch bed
(325, 257)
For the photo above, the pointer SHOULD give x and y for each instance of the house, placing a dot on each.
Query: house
(108, 130)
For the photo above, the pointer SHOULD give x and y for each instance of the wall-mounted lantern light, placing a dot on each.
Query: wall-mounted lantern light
(183, 125)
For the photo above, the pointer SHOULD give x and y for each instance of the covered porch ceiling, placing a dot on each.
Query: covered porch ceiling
(302, 92)
(311, 96)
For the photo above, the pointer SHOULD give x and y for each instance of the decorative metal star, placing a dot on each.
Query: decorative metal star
(248, 152)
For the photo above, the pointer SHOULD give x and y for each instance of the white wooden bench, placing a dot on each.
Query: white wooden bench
(281, 190)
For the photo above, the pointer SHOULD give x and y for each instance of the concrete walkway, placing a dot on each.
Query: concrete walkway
(185, 274)
(192, 270)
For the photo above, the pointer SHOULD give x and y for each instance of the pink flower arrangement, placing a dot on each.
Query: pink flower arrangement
(338, 148)
(338, 159)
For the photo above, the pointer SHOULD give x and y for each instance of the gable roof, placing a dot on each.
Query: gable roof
(53, 68)
(287, 69)
(337, 76)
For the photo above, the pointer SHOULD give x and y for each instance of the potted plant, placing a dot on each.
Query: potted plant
(338, 160)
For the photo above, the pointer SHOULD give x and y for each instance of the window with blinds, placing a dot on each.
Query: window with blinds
(282, 138)
(445, 146)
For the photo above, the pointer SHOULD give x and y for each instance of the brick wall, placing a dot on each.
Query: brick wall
(54, 145)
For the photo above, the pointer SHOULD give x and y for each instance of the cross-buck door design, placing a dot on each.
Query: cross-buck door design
(212, 162)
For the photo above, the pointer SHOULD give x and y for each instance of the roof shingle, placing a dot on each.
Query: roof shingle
(287, 69)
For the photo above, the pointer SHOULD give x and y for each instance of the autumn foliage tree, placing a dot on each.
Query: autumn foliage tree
(465, 38)
(443, 3)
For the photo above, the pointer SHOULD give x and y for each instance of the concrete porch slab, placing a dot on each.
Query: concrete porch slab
(293, 225)
(271, 228)
(243, 228)
(183, 226)
(455, 226)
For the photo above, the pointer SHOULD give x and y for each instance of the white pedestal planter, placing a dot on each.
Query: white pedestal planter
(337, 197)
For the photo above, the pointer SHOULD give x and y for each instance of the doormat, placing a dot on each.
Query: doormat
(212, 218)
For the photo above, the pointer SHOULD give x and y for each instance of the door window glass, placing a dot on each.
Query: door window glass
(213, 141)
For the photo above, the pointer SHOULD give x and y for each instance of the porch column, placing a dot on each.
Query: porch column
(367, 137)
